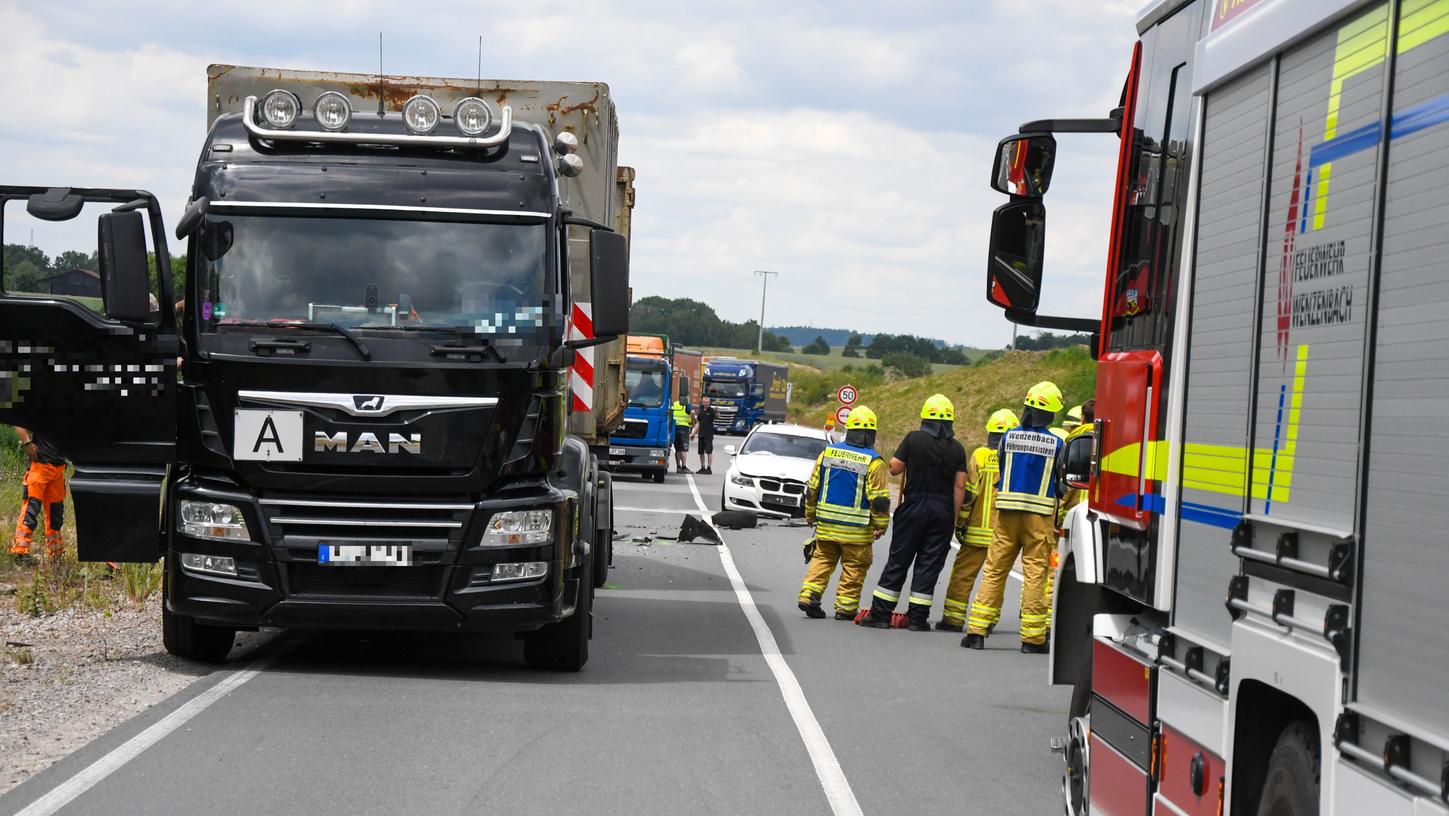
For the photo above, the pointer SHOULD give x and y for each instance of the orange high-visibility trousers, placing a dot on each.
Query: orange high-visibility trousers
(42, 500)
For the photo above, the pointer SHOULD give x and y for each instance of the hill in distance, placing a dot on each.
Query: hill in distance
(801, 335)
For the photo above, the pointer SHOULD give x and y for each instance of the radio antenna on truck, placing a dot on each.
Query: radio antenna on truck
(479, 87)
(381, 81)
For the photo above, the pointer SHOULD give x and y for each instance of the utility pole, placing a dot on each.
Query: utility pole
(764, 286)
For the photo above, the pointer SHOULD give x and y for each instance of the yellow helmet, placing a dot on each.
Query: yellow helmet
(1058, 433)
(938, 407)
(1002, 421)
(860, 417)
(1046, 396)
(1073, 418)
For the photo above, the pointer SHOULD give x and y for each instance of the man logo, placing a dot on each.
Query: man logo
(365, 402)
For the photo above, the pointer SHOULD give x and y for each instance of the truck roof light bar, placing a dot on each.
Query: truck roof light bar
(249, 120)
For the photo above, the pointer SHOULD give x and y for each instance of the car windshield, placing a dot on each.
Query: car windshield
(728, 390)
(487, 279)
(644, 382)
(799, 447)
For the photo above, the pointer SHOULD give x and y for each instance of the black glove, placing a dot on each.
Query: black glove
(809, 549)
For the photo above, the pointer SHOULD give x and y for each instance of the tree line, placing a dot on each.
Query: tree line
(25, 267)
(689, 322)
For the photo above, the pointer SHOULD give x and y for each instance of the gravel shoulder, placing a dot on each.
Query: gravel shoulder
(71, 676)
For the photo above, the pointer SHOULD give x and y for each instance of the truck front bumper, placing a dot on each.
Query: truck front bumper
(281, 582)
(638, 458)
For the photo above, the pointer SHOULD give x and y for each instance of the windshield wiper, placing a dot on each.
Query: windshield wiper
(482, 347)
(336, 329)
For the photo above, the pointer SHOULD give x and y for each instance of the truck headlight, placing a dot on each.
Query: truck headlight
(472, 116)
(742, 481)
(219, 522)
(655, 453)
(332, 111)
(281, 108)
(512, 528)
(212, 564)
(421, 114)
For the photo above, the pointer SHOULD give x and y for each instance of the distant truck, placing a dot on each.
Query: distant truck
(745, 393)
(641, 442)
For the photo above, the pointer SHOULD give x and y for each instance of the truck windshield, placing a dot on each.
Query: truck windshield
(727, 390)
(372, 274)
(644, 382)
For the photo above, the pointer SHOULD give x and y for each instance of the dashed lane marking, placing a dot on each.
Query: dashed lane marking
(822, 756)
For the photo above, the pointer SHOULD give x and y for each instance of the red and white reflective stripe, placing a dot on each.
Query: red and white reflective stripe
(581, 375)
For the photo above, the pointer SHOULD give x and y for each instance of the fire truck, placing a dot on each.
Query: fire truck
(1251, 601)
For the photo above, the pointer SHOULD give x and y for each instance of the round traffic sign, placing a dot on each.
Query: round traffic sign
(841, 414)
(847, 395)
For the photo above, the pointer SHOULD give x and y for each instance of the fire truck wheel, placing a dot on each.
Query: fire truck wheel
(184, 637)
(1077, 754)
(563, 646)
(1291, 788)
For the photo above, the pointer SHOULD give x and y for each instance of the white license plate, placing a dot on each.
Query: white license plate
(616, 451)
(358, 555)
(783, 501)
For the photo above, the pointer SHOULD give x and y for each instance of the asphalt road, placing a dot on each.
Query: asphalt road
(678, 710)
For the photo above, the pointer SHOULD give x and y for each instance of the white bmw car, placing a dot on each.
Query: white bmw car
(769, 472)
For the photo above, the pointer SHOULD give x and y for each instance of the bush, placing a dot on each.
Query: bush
(818, 347)
(908, 364)
(851, 351)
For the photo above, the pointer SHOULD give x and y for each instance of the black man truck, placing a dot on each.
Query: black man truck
(1252, 599)
(390, 284)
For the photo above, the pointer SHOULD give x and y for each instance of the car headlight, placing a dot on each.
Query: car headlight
(512, 528)
(219, 522)
(742, 481)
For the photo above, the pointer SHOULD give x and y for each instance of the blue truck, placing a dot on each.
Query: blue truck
(654, 373)
(745, 393)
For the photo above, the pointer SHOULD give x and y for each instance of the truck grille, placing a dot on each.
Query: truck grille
(632, 429)
(296, 522)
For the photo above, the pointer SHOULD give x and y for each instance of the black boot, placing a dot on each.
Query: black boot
(918, 621)
(870, 621)
(973, 642)
(812, 609)
(944, 625)
(1036, 648)
(844, 615)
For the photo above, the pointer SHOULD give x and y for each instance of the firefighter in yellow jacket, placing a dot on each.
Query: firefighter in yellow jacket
(849, 504)
(974, 525)
(1026, 503)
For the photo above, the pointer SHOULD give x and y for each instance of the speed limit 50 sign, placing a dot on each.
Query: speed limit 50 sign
(846, 395)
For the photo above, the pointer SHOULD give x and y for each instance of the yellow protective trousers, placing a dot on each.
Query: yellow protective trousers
(964, 570)
(1032, 536)
(854, 560)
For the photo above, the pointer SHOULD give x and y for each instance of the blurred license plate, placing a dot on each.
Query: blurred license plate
(370, 555)
(782, 501)
(616, 451)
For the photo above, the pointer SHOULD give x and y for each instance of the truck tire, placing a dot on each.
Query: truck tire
(1077, 756)
(1291, 787)
(658, 475)
(603, 550)
(563, 646)
(184, 637)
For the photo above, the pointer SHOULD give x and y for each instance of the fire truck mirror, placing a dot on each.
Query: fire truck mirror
(1077, 461)
(1023, 166)
(1014, 259)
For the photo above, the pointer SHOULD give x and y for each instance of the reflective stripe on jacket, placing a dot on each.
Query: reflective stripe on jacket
(682, 418)
(1028, 459)
(844, 482)
(978, 513)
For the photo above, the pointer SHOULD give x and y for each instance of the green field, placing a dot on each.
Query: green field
(820, 362)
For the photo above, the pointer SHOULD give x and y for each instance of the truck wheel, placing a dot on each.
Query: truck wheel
(1077, 753)
(604, 529)
(658, 475)
(1291, 788)
(184, 637)
(563, 646)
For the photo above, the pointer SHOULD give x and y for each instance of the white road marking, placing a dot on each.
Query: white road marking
(91, 775)
(822, 756)
(653, 510)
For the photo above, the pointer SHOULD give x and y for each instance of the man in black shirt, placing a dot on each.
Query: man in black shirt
(704, 428)
(934, 487)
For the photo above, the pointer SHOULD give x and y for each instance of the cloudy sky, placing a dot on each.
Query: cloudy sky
(844, 144)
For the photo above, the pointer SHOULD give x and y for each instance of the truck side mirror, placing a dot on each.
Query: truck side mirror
(1023, 165)
(757, 390)
(125, 279)
(609, 270)
(1014, 259)
(1077, 461)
